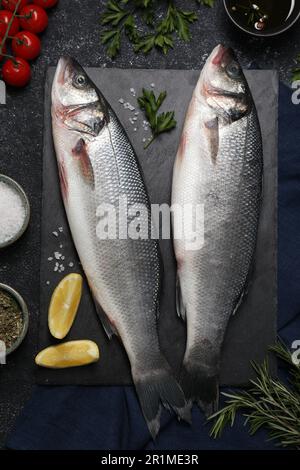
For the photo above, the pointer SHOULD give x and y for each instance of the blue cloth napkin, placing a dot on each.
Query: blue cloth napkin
(109, 418)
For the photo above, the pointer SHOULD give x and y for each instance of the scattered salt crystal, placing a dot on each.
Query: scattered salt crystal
(132, 91)
(12, 212)
(60, 229)
(135, 129)
(152, 85)
(121, 101)
(50, 258)
(144, 139)
(62, 257)
(134, 119)
(48, 283)
(136, 113)
(129, 106)
(71, 264)
(55, 268)
(55, 234)
(57, 255)
(61, 245)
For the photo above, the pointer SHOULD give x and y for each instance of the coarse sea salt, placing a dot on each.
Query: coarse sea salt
(12, 212)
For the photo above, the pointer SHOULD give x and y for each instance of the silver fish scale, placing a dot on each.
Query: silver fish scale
(127, 274)
(214, 278)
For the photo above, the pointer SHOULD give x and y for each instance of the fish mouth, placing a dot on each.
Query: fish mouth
(222, 56)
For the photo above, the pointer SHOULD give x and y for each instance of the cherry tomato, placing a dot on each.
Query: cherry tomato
(35, 19)
(16, 72)
(11, 4)
(26, 45)
(3, 51)
(5, 17)
(45, 3)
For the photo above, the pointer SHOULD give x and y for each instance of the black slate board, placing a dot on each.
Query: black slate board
(253, 329)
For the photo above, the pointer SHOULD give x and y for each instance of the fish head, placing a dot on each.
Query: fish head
(223, 86)
(77, 105)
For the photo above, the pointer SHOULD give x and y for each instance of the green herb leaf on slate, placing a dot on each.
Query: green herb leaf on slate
(159, 123)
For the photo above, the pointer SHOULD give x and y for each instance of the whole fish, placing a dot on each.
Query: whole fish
(97, 167)
(219, 168)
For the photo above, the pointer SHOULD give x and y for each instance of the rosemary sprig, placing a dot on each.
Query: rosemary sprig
(268, 404)
(122, 18)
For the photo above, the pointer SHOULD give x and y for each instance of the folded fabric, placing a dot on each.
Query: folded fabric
(110, 417)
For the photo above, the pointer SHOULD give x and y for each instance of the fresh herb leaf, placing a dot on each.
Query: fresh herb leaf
(117, 19)
(121, 18)
(207, 3)
(296, 71)
(159, 123)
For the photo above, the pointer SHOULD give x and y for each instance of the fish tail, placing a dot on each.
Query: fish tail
(157, 388)
(200, 386)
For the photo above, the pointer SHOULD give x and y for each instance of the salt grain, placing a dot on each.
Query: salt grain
(55, 234)
(12, 213)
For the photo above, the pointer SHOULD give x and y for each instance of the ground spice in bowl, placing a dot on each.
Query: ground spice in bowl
(11, 319)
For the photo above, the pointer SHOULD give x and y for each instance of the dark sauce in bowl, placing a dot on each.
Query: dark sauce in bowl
(263, 17)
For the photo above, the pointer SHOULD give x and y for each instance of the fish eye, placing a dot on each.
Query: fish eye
(79, 81)
(234, 70)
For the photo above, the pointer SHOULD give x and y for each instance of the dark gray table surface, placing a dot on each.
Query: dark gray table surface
(74, 29)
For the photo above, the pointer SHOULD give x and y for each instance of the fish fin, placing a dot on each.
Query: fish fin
(159, 388)
(80, 153)
(200, 387)
(180, 307)
(108, 327)
(212, 131)
(245, 291)
(239, 302)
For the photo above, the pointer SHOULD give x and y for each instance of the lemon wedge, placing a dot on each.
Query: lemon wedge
(64, 305)
(69, 354)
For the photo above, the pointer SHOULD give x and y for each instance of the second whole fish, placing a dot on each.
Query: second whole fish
(219, 167)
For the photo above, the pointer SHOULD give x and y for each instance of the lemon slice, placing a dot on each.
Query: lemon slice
(69, 354)
(64, 305)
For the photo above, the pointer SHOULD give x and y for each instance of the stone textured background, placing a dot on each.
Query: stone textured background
(74, 29)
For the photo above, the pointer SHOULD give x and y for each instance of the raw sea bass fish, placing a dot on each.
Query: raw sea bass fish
(219, 166)
(97, 165)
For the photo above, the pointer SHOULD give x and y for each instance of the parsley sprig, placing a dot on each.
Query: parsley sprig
(296, 70)
(136, 20)
(159, 123)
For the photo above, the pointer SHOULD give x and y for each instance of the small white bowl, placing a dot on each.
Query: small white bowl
(20, 191)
